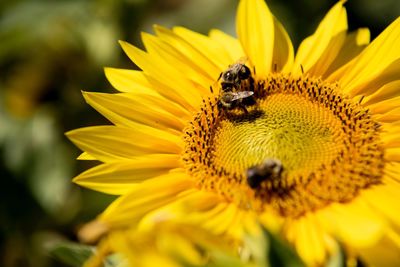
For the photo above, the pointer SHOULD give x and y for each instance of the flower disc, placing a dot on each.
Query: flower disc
(328, 145)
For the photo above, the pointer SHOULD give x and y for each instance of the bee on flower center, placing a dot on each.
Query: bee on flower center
(230, 100)
(267, 170)
(234, 76)
(237, 84)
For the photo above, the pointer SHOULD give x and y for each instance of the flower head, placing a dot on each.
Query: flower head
(305, 144)
(166, 244)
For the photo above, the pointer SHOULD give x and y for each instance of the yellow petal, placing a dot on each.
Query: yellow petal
(387, 91)
(255, 29)
(122, 110)
(199, 201)
(328, 56)
(182, 246)
(353, 44)
(311, 49)
(129, 81)
(189, 51)
(110, 143)
(240, 222)
(384, 199)
(85, 156)
(382, 52)
(392, 116)
(189, 202)
(202, 207)
(390, 74)
(333, 47)
(385, 253)
(391, 139)
(354, 223)
(119, 177)
(385, 106)
(159, 102)
(392, 169)
(230, 44)
(156, 259)
(174, 84)
(283, 56)
(92, 231)
(140, 249)
(164, 51)
(392, 154)
(145, 198)
(270, 220)
(222, 222)
(209, 218)
(208, 47)
(308, 238)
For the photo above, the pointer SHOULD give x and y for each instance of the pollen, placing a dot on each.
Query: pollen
(329, 146)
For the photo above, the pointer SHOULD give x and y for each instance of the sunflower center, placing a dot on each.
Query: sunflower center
(284, 127)
(327, 148)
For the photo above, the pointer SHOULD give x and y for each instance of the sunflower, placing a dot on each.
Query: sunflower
(224, 132)
(192, 246)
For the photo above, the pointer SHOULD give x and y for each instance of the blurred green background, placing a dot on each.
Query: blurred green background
(49, 52)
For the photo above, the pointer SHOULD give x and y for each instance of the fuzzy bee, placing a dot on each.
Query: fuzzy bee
(266, 170)
(234, 92)
(230, 100)
(232, 78)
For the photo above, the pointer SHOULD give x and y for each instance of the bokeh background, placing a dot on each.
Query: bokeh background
(49, 52)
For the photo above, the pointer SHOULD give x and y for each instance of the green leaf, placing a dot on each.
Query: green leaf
(75, 255)
(72, 254)
(280, 254)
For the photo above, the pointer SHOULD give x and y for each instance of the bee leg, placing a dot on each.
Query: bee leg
(244, 109)
(223, 110)
(251, 84)
(219, 77)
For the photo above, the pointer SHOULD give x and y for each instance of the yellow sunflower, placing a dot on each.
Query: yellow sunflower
(167, 244)
(224, 132)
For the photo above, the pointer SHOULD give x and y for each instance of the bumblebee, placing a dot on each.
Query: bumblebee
(230, 100)
(232, 93)
(232, 78)
(266, 170)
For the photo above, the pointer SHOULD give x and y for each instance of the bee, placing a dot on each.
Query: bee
(230, 100)
(232, 78)
(266, 170)
(232, 94)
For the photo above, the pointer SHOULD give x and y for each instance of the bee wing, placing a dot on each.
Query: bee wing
(241, 95)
